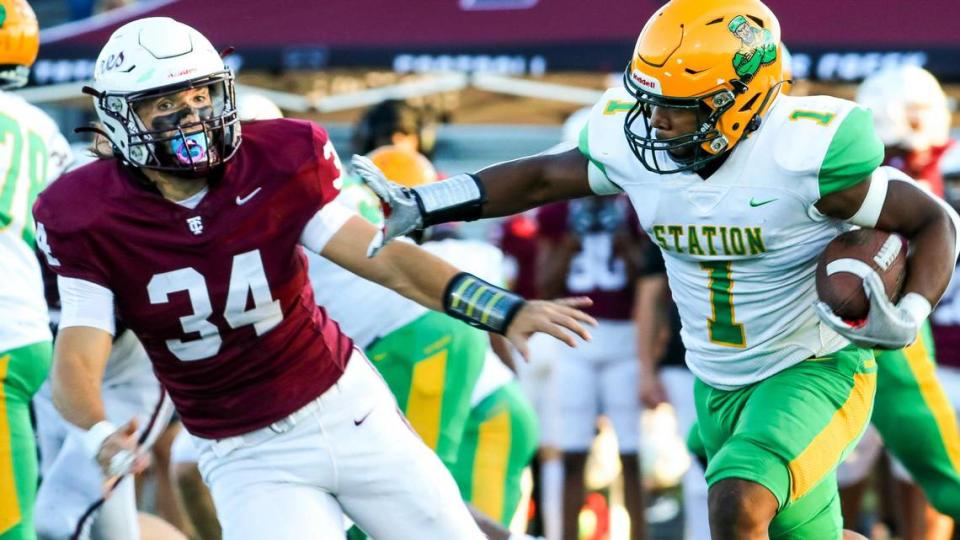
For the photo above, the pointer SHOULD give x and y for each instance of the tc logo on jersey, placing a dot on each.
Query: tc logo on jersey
(195, 224)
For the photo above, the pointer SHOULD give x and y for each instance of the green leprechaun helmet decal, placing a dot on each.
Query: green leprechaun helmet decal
(757, 47)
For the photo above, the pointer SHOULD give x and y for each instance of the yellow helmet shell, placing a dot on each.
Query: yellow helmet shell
(696, 50)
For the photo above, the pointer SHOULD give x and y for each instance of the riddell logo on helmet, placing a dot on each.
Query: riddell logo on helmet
(645, 81)
(181, 72)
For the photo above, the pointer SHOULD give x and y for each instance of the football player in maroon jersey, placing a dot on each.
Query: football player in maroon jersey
(197, 241)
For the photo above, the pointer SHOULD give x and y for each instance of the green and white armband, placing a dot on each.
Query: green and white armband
(480, 304)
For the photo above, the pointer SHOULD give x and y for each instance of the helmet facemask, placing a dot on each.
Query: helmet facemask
(189, 141)
(661, 155)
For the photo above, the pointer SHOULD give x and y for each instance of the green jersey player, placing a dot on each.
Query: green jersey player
(742, 188)
(33, 153)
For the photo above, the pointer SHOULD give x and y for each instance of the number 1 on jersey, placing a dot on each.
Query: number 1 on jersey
(722, 327)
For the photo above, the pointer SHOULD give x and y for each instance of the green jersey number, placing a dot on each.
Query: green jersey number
(821, 118)
(722, 326)
(11, 152)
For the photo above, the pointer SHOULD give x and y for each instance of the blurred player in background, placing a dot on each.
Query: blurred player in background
(395, 122)
(35, 153)
(592, 247)
(664, 377)
(914, 418)
(945, 321)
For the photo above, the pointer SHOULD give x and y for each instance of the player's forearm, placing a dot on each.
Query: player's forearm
(76, 392)
(649, 319)
(416, 274)
(78, 365)
(931, 262)
(514, 186)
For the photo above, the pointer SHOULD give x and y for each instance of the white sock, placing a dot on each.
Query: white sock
(551, 498)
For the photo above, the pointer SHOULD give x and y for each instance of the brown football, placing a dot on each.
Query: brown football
(839, 284)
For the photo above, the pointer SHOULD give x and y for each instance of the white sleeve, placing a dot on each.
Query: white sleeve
(599, 183)
(323, 225)
(84, 303)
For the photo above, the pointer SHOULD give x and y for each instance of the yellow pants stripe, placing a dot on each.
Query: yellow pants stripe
(490, 465)
(426, 397)
(9, 503)
(823, 452)
(924, 372)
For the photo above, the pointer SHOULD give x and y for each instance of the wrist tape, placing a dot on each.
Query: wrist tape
(480, 304)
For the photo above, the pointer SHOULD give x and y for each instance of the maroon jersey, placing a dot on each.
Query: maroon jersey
(517, 238)
(945, 323)
(219, 294)
(596, 270)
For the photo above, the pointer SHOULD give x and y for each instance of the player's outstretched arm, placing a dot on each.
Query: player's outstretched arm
(432, 282)
(891, 201)
(499, 190)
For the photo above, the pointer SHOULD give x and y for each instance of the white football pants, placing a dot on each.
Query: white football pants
(350, 452)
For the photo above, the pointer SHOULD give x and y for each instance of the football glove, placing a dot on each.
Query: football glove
(401, 212)
(887, 326)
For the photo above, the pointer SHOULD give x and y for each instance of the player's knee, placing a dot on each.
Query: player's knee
(740, 509)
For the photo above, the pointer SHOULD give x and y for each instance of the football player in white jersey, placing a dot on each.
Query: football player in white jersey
(742, 188)
(33, 153)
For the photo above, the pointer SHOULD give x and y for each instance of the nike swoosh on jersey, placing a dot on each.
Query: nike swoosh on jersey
(755, 204)
(363, 418)
(243, 200)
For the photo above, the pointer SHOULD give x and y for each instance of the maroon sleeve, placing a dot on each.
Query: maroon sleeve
(552, 221)
(328, 170)
(63, 240)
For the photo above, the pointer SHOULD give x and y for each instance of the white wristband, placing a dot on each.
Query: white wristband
(93, 439)
(916, 305)
(453, 191)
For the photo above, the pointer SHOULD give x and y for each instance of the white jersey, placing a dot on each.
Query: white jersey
(366, 311)
(741, 247)
(493, 376)
(32, 153)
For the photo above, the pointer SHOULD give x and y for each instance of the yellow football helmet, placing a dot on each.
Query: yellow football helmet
(719, 59)
(19, 42)
(403, 166)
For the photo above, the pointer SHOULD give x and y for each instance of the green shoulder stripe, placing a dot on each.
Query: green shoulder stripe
(584, 147)
(854, 153)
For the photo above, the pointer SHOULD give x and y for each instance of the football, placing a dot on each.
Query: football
(845, 260)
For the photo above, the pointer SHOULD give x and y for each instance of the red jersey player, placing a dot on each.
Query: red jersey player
(197, 240)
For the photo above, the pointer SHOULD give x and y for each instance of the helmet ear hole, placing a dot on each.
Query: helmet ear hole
(750, 103)
(736, 126)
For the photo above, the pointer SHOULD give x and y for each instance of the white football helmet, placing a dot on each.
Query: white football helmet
(254, 106)
(154, 57)
(909, 107)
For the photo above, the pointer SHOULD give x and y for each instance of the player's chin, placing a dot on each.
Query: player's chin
(681, 155)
